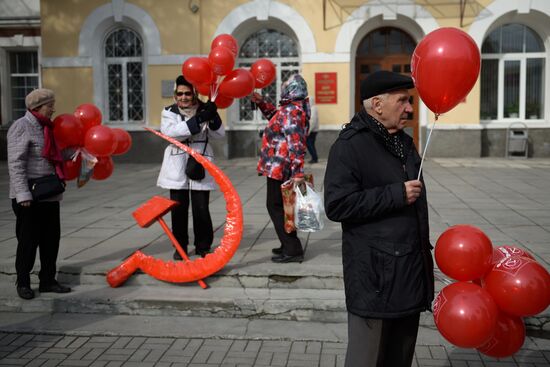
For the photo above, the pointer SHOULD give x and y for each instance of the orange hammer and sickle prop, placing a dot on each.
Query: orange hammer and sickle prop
(188, 271)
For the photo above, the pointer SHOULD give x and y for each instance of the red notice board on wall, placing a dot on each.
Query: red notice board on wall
(326, 90)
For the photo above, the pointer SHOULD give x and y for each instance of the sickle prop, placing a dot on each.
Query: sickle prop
(180, 272)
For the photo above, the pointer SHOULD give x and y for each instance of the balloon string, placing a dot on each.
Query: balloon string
(426, 147)
(216, 87)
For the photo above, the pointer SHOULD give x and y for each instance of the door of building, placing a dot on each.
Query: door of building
(387, 49)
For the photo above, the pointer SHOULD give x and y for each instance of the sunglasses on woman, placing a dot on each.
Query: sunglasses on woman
(179, 94)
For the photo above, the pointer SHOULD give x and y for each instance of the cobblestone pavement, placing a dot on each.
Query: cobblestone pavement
(106, 351)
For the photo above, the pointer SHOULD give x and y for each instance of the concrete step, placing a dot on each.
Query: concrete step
(189, 300)
(186, 300)
(266, 275)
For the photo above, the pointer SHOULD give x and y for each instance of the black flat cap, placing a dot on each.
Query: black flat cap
(383, 81)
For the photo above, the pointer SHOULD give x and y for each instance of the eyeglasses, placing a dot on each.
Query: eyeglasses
(179, 94)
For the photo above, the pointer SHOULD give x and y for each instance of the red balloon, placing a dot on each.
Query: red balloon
(89, 115)
(123, 140)
(505, 251)
(520, 286)
(100, 141)
(464, 252)
(197, 70)
(445, 66)
(221, 60)
(465, 314)
(68, 131)
(263, 72)
(72, 168)
(508, 338)
(203, 89)
(237, 84)
(223, 101)
(226, 40)
(103, 168)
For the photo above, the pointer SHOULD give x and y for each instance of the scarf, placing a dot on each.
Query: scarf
(392, 142)
(51, 151)
(295, 90)
(189, 112)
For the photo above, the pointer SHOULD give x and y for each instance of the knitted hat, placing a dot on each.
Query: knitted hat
(39, 97)
(383, 81)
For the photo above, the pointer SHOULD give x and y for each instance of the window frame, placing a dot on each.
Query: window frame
(9, 75)
(522, 57)
(123, 61)
(258, 121)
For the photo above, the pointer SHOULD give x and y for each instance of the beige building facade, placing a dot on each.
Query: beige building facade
(123, 56)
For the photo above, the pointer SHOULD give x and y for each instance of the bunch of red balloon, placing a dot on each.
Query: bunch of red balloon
(83, 132)
(496, 288)
(214, 76)
(445, 66)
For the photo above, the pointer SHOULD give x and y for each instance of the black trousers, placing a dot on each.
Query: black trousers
(202, 222)
(290, 242)
(310, 144)
(36, 226)
(381, 342)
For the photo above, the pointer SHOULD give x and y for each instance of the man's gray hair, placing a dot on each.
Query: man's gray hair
(367, 103)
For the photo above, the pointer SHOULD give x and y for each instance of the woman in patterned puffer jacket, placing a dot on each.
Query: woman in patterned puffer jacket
(282, 157)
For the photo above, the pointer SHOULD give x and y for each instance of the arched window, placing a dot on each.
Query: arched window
(512, 74)
(386, 41)
(124, 76)
(282, 51)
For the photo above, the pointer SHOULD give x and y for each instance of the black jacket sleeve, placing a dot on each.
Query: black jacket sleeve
(346, 197)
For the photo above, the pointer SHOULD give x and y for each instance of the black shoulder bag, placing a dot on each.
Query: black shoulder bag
(194, 170)
(46, 186)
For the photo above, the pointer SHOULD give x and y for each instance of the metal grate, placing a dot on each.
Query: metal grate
(125, 87)
(282, 50)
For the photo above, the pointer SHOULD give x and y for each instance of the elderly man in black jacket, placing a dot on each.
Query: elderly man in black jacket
(371, 187)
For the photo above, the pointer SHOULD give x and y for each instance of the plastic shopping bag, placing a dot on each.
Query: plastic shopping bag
(289, 200)
(308, 210)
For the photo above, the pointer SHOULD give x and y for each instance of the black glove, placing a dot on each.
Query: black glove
(208, 113)
(211, 106)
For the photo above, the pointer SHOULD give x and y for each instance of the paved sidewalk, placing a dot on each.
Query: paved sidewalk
(508, 199)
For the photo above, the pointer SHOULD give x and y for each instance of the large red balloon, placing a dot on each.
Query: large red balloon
(445, 66)
(464, 252)
(221, 60)
(89, 115)
(223, 101)
(203, 89)
(100, 141)
(263, 71)
(508, 338)
(505, 251)
(72, 168)
(237, 84)
(225, 40)
(465, 314)
(520, 286)
(103, 168)
(68, 131)
(123, 141)
(197, 70)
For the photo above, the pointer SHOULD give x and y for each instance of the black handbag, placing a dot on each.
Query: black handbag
(194, 170)
(46, 186)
